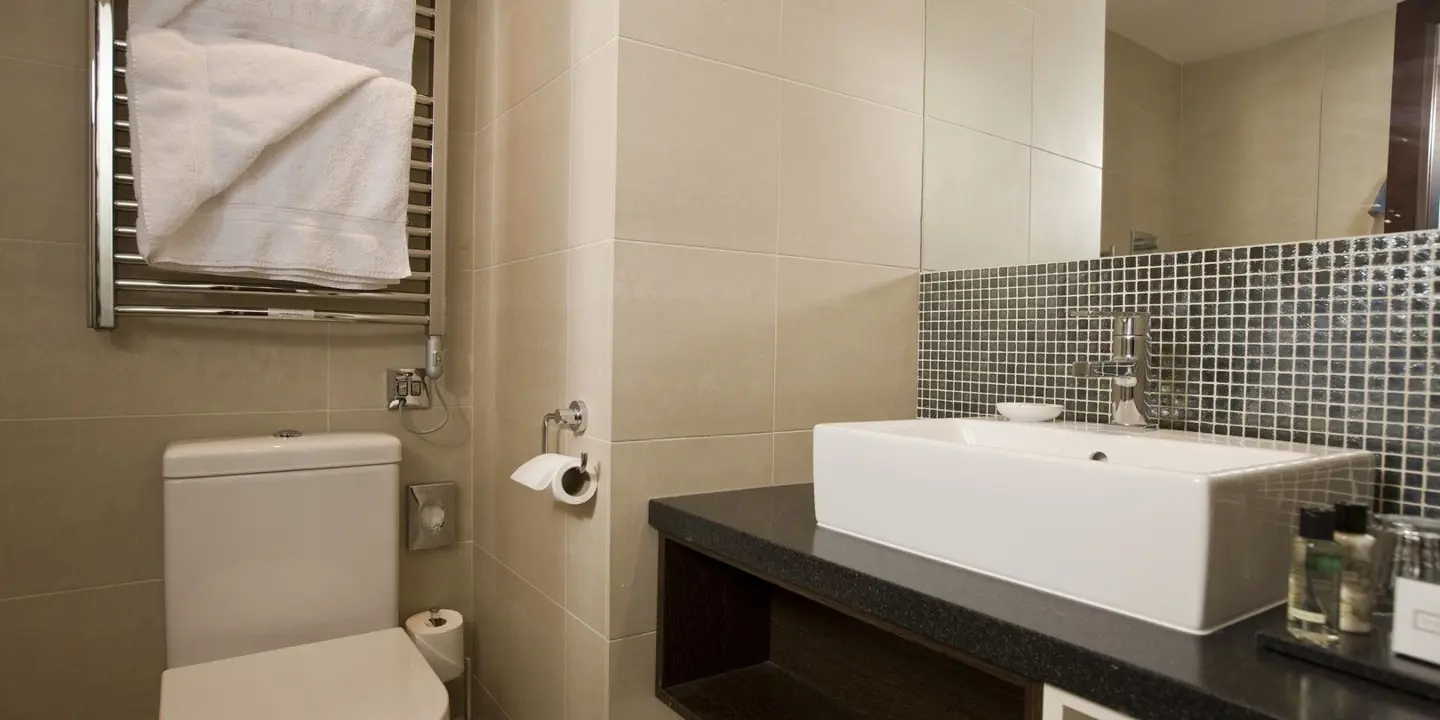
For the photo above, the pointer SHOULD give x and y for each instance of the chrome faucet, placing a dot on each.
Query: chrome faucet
(1128, 368)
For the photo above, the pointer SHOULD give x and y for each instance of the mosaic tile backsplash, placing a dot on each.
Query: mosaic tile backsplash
(1332, 342)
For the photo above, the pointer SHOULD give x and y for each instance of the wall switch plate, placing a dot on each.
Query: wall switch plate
(407, 384)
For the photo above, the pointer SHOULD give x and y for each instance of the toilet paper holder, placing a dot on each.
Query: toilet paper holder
(575, 418)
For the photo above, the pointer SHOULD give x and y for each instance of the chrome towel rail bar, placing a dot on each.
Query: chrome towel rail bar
(117, 267)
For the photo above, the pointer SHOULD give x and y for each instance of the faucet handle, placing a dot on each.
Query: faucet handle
(1124, 322)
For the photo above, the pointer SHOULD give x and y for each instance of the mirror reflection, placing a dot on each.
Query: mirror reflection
(1238, 122)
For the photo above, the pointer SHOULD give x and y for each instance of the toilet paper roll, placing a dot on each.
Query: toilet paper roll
(561, 475)
(575, 486)
(543, 471)
(440, 636)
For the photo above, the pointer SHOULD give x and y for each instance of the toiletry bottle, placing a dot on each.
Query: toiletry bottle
(1313, 613)
(1357, 549)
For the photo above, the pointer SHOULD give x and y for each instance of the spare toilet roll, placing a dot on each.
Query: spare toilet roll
(440, 636)
(561, 474)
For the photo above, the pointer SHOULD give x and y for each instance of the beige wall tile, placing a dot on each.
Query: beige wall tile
(208, 366)
(794, 458)
(977, 199)
(460, 201)
(589, 322)
(465, 67)
(532, 44)
(485, 329)
(593, 23)
(593, 148)
(485, 252)
(698, 156)
(93, 653)
(693, 329)
(1141, 76)
(1064, 209)
(438, 578)
(1250, 145)
(873, 49)
(632, 680)
(485, 706)
(1116, 220)
(532, 179)
(978, 65)
(1355, 124)
(526, 528)
(484, 515)
(849, 179)
(1069, 91)
(490, 79)
(587, 543)
(360, 354)
(521, 643)
(587, 680)
(45, 31)
(660, 468)
(443, 456)
(105, 474)
(740, 32)
(845, 348)
(43, 181)
(530, 299)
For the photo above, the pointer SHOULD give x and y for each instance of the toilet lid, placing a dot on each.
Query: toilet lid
(375, 676)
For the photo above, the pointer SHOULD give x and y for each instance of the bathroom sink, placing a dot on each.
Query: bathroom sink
(1185, 530)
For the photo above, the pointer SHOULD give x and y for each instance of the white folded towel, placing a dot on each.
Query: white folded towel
(259, 153)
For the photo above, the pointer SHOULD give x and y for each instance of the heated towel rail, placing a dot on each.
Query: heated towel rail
(121, 284)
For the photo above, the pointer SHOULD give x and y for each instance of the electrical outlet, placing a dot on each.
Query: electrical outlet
(406, 384)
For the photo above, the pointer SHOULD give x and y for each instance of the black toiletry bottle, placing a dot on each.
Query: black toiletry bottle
(1313, 611)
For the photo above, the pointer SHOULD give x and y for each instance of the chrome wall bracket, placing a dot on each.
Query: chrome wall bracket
(574, 418)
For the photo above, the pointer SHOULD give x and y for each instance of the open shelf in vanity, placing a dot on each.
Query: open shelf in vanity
(736, 646)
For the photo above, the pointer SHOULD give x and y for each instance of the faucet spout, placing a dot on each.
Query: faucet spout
(1128, 368)
(1116, 368)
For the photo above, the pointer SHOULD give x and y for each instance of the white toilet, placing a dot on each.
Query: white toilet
(281, 583)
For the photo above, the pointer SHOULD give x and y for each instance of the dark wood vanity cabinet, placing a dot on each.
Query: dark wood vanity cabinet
(733, 645)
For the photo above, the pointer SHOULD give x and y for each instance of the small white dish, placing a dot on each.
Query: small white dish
(1029, 412)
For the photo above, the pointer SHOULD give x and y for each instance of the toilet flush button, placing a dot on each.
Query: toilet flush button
(427, 516)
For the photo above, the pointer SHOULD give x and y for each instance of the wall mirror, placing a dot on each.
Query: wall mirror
(1237, 122)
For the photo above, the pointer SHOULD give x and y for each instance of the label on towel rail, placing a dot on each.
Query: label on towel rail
(290, 314)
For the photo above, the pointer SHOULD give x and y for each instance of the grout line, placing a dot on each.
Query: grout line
(766, 254)
(775, 296)
(53, 593)
(84, 69)
(770, 75)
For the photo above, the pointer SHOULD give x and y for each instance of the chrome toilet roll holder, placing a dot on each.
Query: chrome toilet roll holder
(575, 418)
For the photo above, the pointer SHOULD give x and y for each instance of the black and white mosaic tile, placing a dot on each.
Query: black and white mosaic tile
(1332, 342)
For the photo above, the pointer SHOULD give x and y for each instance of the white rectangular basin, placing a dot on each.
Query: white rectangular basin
(1185, 530)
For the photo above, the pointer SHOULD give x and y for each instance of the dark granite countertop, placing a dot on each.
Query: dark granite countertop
(1135, 667)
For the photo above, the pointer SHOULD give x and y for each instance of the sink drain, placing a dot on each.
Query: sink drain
(1099, 456)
